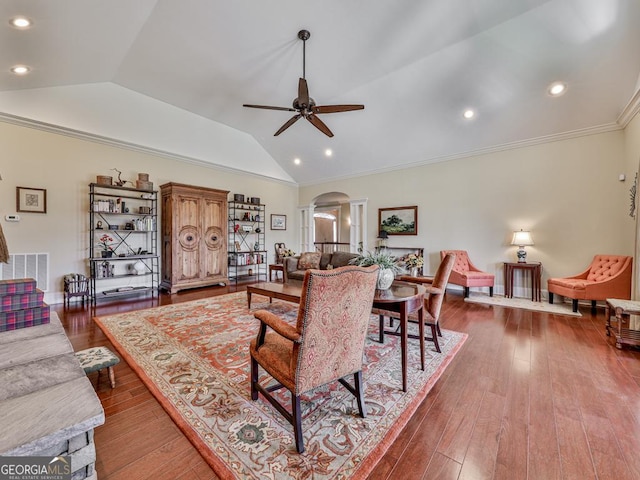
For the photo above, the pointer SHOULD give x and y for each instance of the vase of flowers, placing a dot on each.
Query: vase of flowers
(413, 262)
(388, 264)
(105, 243)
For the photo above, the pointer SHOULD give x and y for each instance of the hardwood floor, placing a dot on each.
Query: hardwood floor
(530, 396)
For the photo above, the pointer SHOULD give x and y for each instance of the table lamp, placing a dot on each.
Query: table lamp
(522, 239)
(382, 239)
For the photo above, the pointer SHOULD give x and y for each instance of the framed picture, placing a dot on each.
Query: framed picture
(278, 222)
(32, 200)
(398, 220)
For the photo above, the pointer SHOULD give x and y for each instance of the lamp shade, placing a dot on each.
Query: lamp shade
(522, 238)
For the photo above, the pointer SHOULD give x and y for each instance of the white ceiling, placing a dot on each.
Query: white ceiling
(173, 75)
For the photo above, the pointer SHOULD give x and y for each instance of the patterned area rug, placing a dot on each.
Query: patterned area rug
(543, 306)
(194, 357)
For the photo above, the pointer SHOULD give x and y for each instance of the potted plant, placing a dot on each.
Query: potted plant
(388, 264)
(104, 242)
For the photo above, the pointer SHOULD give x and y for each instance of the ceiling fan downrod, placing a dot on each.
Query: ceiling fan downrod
(304, 36)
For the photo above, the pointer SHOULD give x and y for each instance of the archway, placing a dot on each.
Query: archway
(335, 221)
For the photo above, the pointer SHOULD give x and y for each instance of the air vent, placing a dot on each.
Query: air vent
(27, 265)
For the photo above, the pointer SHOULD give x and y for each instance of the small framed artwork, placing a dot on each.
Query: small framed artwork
(398, 220)
(278, 222)
(32, 200)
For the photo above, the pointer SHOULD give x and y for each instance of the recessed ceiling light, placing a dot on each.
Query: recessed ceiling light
(556, 89)
(20, 69)
(328, 152)
(296, 161)
(468, 114)
(20, 22)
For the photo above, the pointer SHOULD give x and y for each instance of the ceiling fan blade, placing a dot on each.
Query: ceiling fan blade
(319, 124)
(303, 92)
(336, 108)
(290, 122)
(267, 107)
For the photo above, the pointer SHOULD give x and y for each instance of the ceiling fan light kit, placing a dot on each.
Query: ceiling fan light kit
(303, 104)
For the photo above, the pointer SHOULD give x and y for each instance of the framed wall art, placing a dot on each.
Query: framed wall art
(398, 220)
(32, 200)
(278, 222)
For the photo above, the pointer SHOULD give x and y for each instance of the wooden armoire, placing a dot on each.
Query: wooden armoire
(194, 237)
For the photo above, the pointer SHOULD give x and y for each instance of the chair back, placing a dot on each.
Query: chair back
(333, 319)
(433, 302)
(280, 248)
(461, 264)
(604, 267)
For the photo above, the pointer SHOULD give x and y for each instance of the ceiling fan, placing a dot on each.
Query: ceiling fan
(303, 104)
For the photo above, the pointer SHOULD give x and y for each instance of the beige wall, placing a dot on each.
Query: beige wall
(566, 192)
(632, 152)
(65, 166)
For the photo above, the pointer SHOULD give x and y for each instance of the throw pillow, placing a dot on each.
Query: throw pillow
(309, 260)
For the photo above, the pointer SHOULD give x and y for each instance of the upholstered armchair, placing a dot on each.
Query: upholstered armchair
(466, 274)
(608, 276)
(436, 288)
(325, 344)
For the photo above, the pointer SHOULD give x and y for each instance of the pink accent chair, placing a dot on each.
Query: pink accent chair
(608, 276)
(326, 343)
(466, 274)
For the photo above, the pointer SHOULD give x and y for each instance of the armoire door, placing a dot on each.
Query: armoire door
(187, 254)
(214, 249)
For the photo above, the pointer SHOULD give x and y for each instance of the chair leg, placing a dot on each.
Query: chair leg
(421, 335)
(575, 305)
(381, 334)
(491, 291)
(112, 377)
(297, 422)
(593, 306)
(357, 379)
(466, 292)
(551, 298)
(438, 328)
(254, 379)
(434, 335)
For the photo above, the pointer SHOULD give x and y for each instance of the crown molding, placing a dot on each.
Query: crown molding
(609, 127)
(112, 142)
(630, 110)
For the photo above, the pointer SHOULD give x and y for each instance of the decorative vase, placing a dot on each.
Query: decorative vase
(413, 271)
(385, 278)
(138, 268)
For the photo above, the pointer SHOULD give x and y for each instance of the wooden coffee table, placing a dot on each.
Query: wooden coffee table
(281, 291)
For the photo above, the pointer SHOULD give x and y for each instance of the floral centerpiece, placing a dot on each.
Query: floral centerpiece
(105, 242)
(389, 266)
(288, 253)
(412, 262)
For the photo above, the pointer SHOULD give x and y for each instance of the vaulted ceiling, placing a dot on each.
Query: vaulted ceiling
(173, 75)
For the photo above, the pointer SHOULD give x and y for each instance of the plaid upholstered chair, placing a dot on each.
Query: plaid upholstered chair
(325, 344)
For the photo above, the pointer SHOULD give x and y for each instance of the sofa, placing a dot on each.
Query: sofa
(295, 267)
